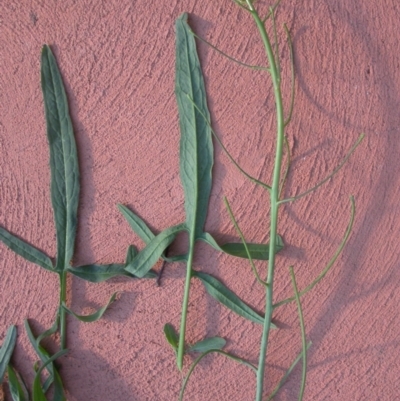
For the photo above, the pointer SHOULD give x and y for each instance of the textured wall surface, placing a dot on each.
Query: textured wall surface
(117, 60)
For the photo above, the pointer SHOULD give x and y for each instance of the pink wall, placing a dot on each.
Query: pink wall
(117, 60)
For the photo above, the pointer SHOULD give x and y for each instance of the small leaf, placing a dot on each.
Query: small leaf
(63, 159)
(257, 251)
(17, 387)
(144, 232)
(137, 224)
(224, 295)
(25, 250)
(147, 257)
(131, 254)
(208, 344)
(171, 335)
(7, 350)
(94, 316)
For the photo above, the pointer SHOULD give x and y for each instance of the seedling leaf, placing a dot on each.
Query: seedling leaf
(25, 250)
(94, 316)
(63, 159)
(7, 350)
(208, 344)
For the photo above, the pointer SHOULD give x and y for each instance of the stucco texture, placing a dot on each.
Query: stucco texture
(117, 59)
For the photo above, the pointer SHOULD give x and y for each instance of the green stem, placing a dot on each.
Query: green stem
(274, 197)
(185, 303)
(62, 312)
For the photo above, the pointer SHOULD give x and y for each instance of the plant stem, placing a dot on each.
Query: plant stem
(62, 312)
(274, 198)
(185, 303)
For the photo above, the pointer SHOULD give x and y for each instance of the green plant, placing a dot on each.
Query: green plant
(275, 191)
(64, 195)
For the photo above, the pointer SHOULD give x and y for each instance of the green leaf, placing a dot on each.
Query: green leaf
(147, 257)
(63, 159)
(196, 149)
(25, 250)
(171, 335)
(17, 387)
(94, 316)
(52, 330)
(7, 350)
(257, 251)
(40, 351)
(208, 344)
(99, 273)
(227, 298)
(137, 224)
(144, 232)
(131, 254)
(38, 394)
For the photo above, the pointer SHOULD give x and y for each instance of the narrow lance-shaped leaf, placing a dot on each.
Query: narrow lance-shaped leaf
(63, 159)
(196, 150)
(144, 232)
(93, 317)
(147, 257)
(228, 298)
(7, 349)
(208, 344)
(257, 251)
(25, 250)
(17, 387)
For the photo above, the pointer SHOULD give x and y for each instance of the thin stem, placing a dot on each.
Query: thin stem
(251, 178)
(62, 312)
(239, 231)
(274, 196)
(271, 10)
(198, 359)
(287, 374)
(289, 39)
(351, 151)
(303, 334)
(331, 262)
(253, 67)
(286, 172)
(185, 303)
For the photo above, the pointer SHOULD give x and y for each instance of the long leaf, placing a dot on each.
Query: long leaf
(38, 394)
(93, 316)
(257, 251)
(17, 387)
(63, 159)
(99, 273)
(40, 351)
(227, 298)
(196, 149)
(25, 250)
(147, 257)
(7, 350)
(208, 344)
